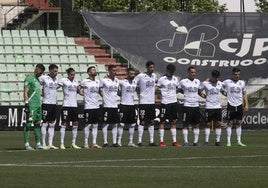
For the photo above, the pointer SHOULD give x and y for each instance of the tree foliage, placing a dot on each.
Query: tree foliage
(150, 5)
(262, 5)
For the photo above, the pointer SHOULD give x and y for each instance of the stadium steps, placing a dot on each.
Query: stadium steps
(101, 55)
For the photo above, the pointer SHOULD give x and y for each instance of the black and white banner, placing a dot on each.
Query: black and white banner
(206, 41)
(13, 118)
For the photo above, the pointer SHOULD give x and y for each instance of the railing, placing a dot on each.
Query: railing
(14, 4)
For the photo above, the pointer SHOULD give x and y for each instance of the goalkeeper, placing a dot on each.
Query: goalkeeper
(32, 99)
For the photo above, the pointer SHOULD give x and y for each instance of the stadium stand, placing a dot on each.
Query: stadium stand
(21, 50)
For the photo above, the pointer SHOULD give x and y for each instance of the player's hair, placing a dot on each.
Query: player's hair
(149, 63)
(110, 67)
(236, 69)
(52, 66)
(41, 67)
(69, 70)
(215, 74)
(130, 69)
(89, 68)
(171, 68)
(191, 67)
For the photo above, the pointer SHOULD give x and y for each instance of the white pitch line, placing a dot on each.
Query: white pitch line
(74, 163)
(128, 166)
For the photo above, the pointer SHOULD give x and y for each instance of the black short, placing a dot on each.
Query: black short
(49, 112)
(168, 111)
(91, 116)
(110, 115)
(128, 114)
(146, 112)
(213, 115)
(69, 114)
(191, 115)
(234, 112)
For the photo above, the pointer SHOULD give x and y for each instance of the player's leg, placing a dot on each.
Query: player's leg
(105, 127)
(230, 120)
(51, 118)
(141, 124)
(208, 125)
(87, 127)
(64, 120)
(37, 116)
(195, 122)
(185, 121)
(150, 115)
(161, 130)
(173, 111)
(239, 117)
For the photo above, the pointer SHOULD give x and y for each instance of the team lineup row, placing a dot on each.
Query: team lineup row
(38, 86)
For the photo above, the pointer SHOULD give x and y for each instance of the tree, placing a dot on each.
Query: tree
(151, 5)
(262, 5)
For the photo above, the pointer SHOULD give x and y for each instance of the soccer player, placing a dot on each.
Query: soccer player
(69, 111)
(237, 104)
(213, 89)
(90, 90)
(127, 88)
(168, 86)
(49, 106)
(146, 92)
(33, 108)
(190, 87)
(110, 116)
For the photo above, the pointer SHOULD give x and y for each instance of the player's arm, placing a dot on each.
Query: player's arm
(80, 90)
(245, 100)
(201, 93)
(101, 91)
(25, 94)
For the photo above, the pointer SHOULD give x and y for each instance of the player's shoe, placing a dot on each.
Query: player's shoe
(176, 144)
(52, 147)
(86, 146)
(196, 144)
(206, 144)
(116, 145)
(106, 145)
(29, 148)
(40, 147)
(241, 144)
(152, 144)
(62, 146)
(132, 145)
(162, 144)
(96, 146)
(185, 144)
(217, 144)
(140, 144)
(74, 146)
(228, 144)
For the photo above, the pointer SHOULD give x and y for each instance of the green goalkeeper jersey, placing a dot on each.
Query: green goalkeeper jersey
(34, 93)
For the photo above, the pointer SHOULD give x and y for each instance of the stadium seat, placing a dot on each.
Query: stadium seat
(80, 50)
(36, 49)
(24, 33)
(63, 50)
(55, 59)
(35, 41)
(6, 33)
(59, 33)
(37, 59)
(73, 59)
(27, 49)
(4, 86)
(15, 33)
(91, 58)
(12, 77)
(70, 41)
(64, 59)
(54, 50)
(43, 41)
(45, 50)
(10, 59)
(18, 50)
(11, 68)
(8, 41)
(82, 58)
(51, 33)
(33, 33)
(41, 33)
(62, 41)
(3, 67)
(25, 41)
(101, 68)
(52, 41)
(28, 58)
(46, 59)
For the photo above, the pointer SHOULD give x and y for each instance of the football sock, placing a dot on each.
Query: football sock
(74, 134)
(62, 134)
(120, 130)
(151, 133)
(51, 130)
(196, 134)
(207, 133)
(218, 134)
(131, 132)
(44, 132)
(37, 133)
(140, 133)
(161, 135)
(94, 133)
(238, 133)
(104, 133)
(229, 133)
(86, 134)
(185, 135)
(114, 132)
(26, 132)
(173, 133)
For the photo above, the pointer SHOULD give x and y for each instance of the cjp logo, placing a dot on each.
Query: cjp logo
(199, 41)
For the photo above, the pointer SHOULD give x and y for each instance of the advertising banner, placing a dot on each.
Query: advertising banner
(207, 41)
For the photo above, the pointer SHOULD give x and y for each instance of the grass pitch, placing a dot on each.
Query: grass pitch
(146, 167)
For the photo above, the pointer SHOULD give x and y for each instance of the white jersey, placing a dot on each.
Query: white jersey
(213, 94)
(168, 87)
(91, 93)
(128, 89)
(69, 89)
(50, 89)
(190, 90)
(147, 88)
(235, 91)
(110, 89)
